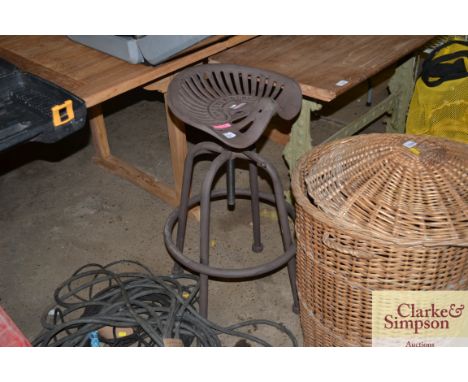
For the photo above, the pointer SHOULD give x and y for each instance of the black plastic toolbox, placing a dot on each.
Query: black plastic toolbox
(33, 109)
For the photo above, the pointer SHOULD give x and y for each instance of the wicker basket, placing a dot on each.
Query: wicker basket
(375, 212)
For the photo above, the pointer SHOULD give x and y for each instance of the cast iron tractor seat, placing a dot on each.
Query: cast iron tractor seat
(233, 103)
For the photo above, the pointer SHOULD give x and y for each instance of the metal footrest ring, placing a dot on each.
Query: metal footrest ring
(223, 273)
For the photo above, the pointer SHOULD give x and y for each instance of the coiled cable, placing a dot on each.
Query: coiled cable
(138, 308)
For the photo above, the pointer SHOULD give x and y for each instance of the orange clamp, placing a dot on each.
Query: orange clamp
(63, 113)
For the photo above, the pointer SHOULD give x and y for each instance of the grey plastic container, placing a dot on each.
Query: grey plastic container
(138, 49)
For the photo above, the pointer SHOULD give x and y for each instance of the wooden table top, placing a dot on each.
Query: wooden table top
(319, 63)
(91, 75)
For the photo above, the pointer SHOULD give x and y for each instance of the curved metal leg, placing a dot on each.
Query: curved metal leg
(286, 236)
(205, 206)
(257, 245)
(293, 282)
(231, 183)
(183, 206)
(201, 148)
(283, 222)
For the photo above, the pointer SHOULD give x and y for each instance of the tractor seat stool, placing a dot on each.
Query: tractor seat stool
(234, 104)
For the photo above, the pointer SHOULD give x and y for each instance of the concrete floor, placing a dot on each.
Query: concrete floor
(61, 211)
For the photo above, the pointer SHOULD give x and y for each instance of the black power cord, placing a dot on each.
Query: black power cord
(136, 308)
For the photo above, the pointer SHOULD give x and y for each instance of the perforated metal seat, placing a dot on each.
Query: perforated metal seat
(234, 104)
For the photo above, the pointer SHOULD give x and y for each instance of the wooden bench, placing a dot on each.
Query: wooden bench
(97, 77)
(328, 66)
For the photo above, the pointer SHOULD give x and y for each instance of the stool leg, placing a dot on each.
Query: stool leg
(287, 239)
(293, 282)
(205, 206)
(184, 200)
(257, 245)
(231, 183)
(285, 231)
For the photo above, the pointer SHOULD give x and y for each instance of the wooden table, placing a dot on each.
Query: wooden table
(97, 77)
(328, 66)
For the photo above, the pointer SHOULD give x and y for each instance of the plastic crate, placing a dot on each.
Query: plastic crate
(33, 109)
(10, 335)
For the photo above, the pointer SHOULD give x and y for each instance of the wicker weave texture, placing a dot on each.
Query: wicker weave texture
(315, 334)
(338, 267)
(400, 188)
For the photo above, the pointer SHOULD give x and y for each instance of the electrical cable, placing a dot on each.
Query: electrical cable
(137, 308)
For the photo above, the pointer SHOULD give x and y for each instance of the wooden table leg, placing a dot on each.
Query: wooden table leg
(176, 133)
(123, 169)
(98, 129)
(402, 86)
(300, 140)
(178, 145)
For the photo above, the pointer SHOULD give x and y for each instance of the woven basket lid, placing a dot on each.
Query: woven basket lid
(406, 189)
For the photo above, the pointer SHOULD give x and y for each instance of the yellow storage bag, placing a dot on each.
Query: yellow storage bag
(439, 105)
